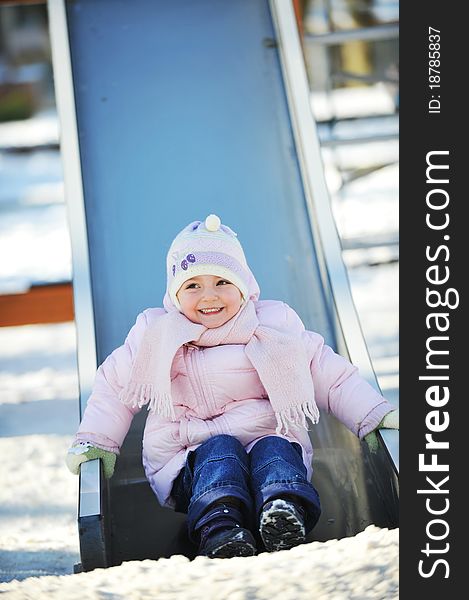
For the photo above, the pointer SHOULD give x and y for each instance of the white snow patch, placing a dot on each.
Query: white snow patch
(363, 566)
(38, 362)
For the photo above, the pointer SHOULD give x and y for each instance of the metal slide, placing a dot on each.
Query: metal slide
(170, 111)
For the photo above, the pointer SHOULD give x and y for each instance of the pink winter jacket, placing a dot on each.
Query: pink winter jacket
(217, 390)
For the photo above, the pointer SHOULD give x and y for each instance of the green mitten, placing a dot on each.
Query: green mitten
(84, 451)
(390, 421)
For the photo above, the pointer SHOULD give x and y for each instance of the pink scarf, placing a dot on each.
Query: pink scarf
(279, 357)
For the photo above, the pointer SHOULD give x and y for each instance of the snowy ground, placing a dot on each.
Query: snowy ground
(39, 414)
(364, 566)
(38, 411)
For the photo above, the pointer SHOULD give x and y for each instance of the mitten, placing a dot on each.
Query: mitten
(390, 421)
(84, 451)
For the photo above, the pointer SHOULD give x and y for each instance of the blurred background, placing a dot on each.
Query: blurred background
(351, 53)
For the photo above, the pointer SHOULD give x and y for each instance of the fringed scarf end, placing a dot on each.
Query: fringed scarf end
(139, 395)
(162, 405)
(296, 415)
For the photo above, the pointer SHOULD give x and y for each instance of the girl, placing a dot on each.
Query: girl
(229, 382)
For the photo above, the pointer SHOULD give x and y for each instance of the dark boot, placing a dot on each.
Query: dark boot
(221, 534)
(281, 524)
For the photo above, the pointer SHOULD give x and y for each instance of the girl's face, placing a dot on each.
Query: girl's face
(209, 300)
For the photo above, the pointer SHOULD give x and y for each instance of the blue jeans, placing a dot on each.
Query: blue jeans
(221, 467)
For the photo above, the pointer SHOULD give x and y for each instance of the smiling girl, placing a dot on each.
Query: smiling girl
(229, 382)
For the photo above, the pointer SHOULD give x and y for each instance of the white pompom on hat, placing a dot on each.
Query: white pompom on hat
(207, 248)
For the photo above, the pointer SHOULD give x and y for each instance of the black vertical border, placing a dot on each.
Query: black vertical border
(422, 132)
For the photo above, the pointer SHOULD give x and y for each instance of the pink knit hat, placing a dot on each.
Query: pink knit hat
(207, 248)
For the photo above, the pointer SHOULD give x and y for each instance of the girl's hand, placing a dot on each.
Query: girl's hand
(390, 421)
(84, 451)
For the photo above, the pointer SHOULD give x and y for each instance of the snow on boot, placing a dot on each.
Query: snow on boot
(281, 525)
(221, 535)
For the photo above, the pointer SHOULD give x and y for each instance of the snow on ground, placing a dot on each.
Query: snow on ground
(364, 566)
(38, 504)
(38, 363)
(40, 130)
(38, 414)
